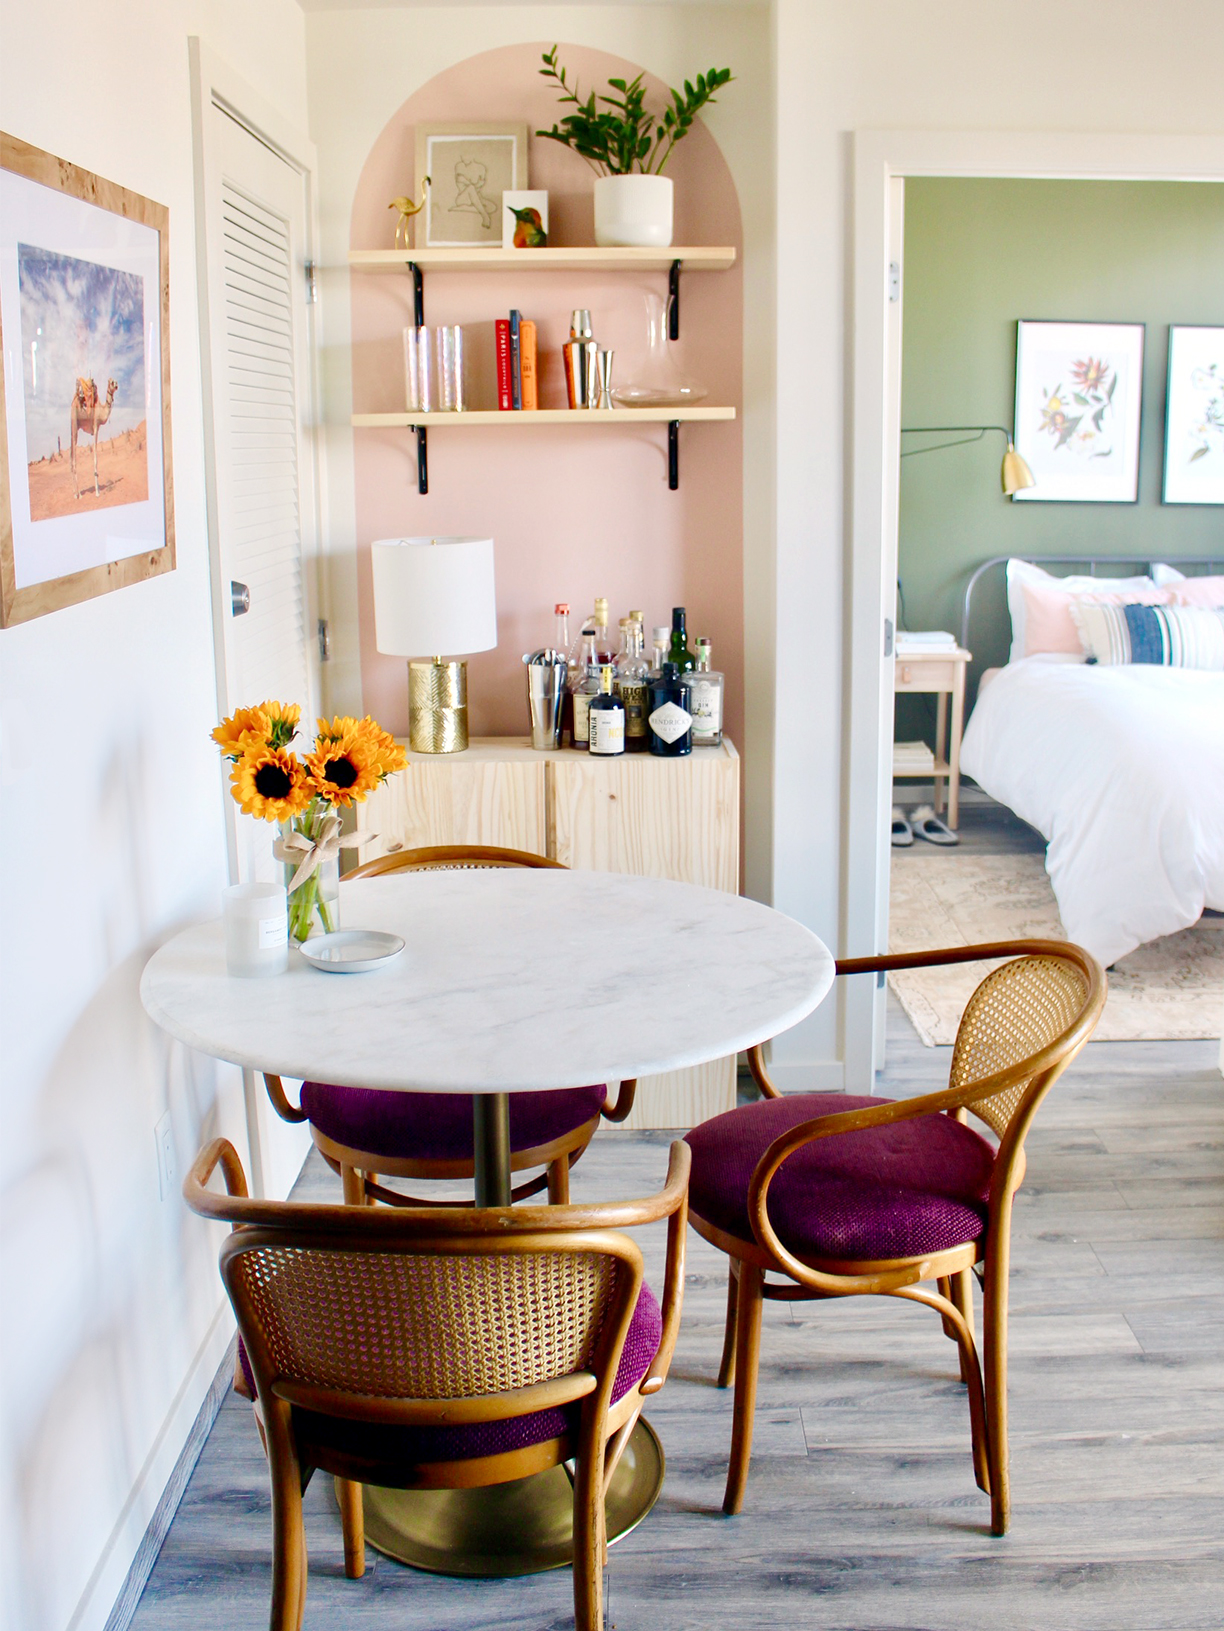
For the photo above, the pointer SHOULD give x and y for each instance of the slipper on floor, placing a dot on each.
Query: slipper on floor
(902, 832)
(929, 826)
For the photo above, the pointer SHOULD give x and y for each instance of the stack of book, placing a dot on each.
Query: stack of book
(925, 642)
(517, 363)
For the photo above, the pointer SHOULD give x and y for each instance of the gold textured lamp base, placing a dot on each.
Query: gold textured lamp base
(500, 1530)
(437, 707)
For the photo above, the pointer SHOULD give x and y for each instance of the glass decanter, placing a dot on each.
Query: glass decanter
(653, 376)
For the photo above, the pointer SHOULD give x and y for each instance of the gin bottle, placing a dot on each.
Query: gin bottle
(670, 720)
(706, 692)
(606, 717)
(582, 688)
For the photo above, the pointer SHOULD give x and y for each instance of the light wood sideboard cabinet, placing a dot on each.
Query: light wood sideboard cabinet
(659, 818)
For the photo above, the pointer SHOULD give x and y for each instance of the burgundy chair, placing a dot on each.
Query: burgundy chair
(842, 1195)
(365, 1132)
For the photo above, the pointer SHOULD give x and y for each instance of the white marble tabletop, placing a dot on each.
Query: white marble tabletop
(511, 981)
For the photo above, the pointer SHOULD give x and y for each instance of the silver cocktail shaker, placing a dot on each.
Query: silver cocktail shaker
(581, 362)
(547, 673)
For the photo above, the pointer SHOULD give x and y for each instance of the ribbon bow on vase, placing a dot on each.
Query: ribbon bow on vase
(315, 883)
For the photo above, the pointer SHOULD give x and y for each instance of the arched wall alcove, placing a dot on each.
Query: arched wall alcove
(575, 513)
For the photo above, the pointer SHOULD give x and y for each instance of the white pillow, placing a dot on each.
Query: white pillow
(1021, 572)
(1163, 575)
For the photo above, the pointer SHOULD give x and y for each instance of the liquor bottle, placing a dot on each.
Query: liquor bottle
(603, 645)
(671, 723)
(706, 691)
(582, 688)
(561, 639)
(633, 688)
(678, 652)
(660, 635)
(606, 717)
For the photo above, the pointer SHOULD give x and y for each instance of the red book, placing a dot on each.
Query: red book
(505, 394)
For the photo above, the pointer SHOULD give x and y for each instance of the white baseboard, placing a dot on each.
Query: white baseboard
(110, 1597)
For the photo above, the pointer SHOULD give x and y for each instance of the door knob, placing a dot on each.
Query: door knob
(240, 598)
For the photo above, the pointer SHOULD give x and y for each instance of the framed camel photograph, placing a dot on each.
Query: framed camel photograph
(86, 488)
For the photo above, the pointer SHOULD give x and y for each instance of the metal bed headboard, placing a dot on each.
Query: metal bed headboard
(1205, 564)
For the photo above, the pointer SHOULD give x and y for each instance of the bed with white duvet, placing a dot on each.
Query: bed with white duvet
(1121, 769)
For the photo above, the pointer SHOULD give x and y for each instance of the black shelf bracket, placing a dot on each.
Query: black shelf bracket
(422, 460)
(673, 301)
(418, 294)
(673, 454)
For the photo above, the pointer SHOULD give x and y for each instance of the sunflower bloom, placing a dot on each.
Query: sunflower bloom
(386, 752)
(284, 718)
(270, 783)
(245, 728)
(344, 768)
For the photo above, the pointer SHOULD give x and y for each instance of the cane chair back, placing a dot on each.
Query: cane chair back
(440, 1326)
(452, 858)
(1019, 1010)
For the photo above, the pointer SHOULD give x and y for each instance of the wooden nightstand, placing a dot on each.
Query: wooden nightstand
(942, 672)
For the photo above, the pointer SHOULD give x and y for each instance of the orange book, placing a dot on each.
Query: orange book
(529, 365)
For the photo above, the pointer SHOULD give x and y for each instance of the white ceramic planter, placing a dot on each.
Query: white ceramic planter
(633, 212)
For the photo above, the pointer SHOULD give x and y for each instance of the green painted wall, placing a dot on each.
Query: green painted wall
(979, 254)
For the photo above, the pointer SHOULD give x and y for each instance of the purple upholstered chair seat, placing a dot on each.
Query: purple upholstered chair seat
(463, 1443)
(438, 1126)
(895, 1191)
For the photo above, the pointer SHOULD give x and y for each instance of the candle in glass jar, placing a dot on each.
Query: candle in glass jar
(256, 917)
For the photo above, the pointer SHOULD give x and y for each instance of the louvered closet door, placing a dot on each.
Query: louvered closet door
(260, 392)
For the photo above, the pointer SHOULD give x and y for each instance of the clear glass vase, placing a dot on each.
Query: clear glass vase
(314, 906)
(653, 377)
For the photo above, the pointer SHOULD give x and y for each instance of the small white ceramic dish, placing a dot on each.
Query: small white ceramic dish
(351, 951)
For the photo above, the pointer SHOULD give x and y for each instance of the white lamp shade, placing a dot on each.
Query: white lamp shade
(434, 597)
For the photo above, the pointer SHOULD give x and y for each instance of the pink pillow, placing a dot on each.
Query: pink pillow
(1048, 625)
(1198, 592)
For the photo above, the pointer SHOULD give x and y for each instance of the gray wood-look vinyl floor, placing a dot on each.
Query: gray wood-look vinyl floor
(861, 1512)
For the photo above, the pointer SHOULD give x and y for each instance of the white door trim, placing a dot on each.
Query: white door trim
(879, 157)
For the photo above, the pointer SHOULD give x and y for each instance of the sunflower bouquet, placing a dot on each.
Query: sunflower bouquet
(305, 795)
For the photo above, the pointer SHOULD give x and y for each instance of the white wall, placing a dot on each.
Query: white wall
(112, 838)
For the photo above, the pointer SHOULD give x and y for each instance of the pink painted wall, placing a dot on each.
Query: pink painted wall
(575, 512)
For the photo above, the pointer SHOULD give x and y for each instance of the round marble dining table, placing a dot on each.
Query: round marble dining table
(512, 980)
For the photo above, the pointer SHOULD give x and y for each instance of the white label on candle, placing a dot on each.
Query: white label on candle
(273, 932)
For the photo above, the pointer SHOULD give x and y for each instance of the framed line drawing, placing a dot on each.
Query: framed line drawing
(1194, 416)
(469, 167)
(1079, 392)
(86, 488)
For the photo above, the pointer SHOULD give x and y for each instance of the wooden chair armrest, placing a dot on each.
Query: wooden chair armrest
(617, 1109)
(276, 1092)
(220, 1153)
(673, 1282)
(953, 954)
(756, 1064)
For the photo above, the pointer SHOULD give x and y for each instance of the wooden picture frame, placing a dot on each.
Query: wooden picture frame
(85, 268)
(1079, 396)
(470, 165)
(1194, 415)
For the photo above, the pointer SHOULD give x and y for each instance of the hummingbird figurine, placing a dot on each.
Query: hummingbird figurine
(407, 210)
(529, 233)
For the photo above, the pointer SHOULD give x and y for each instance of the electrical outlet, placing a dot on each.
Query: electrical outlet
(163, 1135)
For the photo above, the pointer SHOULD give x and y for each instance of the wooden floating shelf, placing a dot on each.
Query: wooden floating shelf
(526, 417)
(695, 258)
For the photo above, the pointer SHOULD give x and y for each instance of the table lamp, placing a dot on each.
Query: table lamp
(434, 594)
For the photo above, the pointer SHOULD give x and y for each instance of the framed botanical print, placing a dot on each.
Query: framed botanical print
(1194, 416)
(86, 492)
(469, 167)
(1079, 393)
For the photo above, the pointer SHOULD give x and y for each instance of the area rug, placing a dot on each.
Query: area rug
(1168, 990)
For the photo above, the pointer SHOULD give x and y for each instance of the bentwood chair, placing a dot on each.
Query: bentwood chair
(840, 1195)
(421, 1349)
(364, 1132)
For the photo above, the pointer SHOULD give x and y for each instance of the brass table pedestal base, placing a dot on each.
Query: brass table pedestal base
(523, 1527)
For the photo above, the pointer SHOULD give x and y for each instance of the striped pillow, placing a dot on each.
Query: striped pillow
(1172, 636)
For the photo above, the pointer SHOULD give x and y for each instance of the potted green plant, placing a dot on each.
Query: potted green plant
(627, 146)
